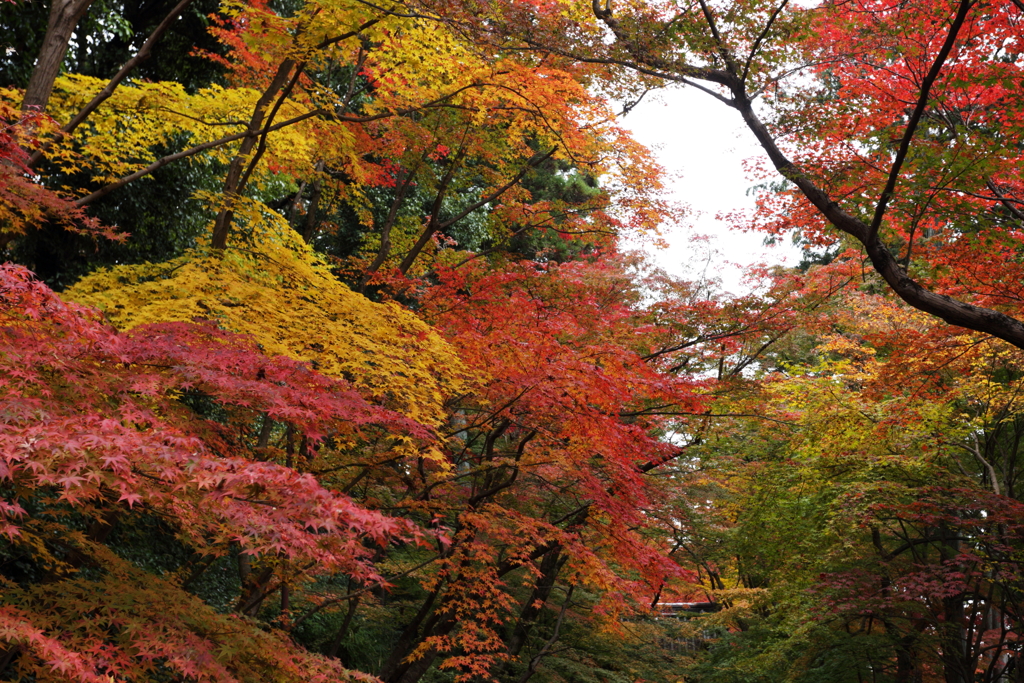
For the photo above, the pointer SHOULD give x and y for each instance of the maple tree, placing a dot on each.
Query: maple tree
(864, 503)
(121, 447)
(890, 125)
(894, 125)
(500, 501)
(329, 135)
(384, 458)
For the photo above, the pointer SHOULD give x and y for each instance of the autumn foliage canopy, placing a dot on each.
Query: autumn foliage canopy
(324, 354)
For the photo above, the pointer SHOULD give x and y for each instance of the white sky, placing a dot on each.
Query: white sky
(702, 144)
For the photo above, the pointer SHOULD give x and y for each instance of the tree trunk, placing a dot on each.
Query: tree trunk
(957, 663)
(309, 230)
(408, 640)
(907, 670)
(535, 603)
(64, 17)
(237, 171)
(353, 604)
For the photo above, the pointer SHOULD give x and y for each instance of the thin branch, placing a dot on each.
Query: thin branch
(345, 36)
(384, 251)
(693, 342)
(323, 111)
(1005, 201)
(721, 98)
(170, 158)
(364, 589)
(915, 117)
(483, 495)
(422, 242)
(129, 66)
(532, 668)
(976, 452)
(760, 38)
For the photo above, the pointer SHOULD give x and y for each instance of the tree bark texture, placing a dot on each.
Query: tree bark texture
(64, 17)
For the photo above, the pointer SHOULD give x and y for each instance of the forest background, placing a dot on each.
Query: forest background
(322, 359)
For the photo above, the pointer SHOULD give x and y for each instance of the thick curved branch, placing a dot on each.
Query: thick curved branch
(946, 308)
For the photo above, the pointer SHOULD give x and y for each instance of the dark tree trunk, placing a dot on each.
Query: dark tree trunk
(408, 639)
(549, 568)
(64, 17)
